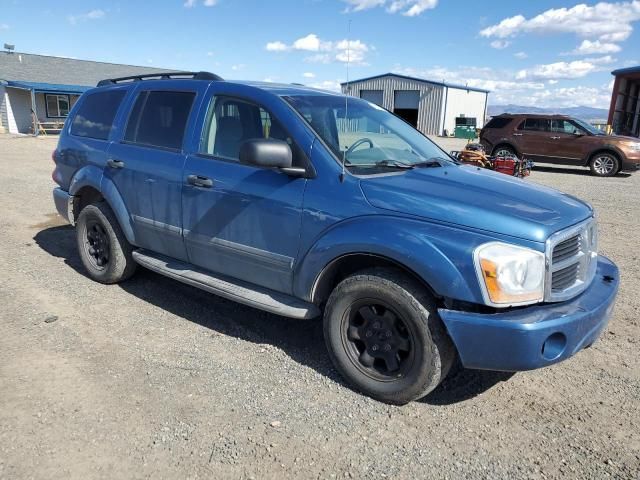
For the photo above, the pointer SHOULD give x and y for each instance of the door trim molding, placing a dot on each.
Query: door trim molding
(282, 262)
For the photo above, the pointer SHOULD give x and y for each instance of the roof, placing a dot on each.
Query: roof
(28, 67)
(48, 87)
(417, 79)
(626, 71)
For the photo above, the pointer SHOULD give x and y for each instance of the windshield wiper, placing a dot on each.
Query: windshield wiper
(383, 164)
(432, 162)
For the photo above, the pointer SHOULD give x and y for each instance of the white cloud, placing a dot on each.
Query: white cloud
(309, 75)
(408, 8)
(605, 21)
(500, 44)
(521, 55)
(209, 54)
(588, 47)
(276, 46)
(354, 51)
(206, 3)
(557, 70)
(333, 85)
(239, 66)
(91, 15)
(507, 88)
(359, 5)
(4, 26)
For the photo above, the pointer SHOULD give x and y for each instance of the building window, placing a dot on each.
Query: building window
(57, 105)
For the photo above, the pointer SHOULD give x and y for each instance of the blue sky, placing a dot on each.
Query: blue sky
(542, 53)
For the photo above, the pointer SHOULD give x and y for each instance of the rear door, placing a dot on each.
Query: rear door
(146, 164)
(533, 138)
(241, 220)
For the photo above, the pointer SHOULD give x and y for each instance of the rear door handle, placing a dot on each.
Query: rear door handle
(199, 181)
(555, 138)
(113, 163)
(517, 134)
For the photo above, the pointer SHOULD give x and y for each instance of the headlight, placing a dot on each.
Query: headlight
(510, 275)
(634, 147)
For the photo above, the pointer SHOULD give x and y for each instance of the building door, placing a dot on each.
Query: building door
(406, 104)
(373, 96)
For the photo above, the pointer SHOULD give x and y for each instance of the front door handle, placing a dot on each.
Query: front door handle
(113, 163)
(517, 134)
(199, 181)
(555, 138)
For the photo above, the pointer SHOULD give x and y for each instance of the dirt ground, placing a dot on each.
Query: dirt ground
(155, 379)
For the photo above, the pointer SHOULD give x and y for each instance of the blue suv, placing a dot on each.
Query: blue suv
(305, 203)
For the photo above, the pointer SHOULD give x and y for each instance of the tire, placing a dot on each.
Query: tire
(103, 248)
(360, 314)
(604, 164)
(504, 151)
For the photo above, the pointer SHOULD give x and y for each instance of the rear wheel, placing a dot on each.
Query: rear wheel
(604, 164)
(103, 248)
(384, 335)
(504, 151)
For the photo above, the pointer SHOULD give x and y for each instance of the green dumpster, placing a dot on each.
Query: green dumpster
(465, 128)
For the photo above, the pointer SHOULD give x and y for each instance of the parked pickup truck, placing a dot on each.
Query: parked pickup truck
(305, 203)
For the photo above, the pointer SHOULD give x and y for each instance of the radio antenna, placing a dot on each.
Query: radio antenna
(346, 97)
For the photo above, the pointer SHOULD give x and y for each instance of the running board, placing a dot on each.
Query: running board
(236, 290)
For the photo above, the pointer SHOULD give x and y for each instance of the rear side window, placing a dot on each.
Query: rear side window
(498, 122)
(159, 119)
(536, 125)
(95, 116)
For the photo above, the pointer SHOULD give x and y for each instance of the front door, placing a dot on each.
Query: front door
(240, 220)
(146, 168)
(570, 142)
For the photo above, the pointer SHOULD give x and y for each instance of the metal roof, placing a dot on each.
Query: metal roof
(48, 87)
(626, 71)
(417, 79)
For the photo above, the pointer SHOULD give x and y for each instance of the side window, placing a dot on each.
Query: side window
(94, 118)
(159, 119)
(498, 122)
(564, 126)
(231, 121)
(536, 125)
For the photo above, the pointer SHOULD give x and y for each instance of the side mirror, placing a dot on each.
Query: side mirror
(266, 152)
(578, 134)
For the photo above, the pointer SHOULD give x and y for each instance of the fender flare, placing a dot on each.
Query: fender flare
(407, 242)
(92, 176)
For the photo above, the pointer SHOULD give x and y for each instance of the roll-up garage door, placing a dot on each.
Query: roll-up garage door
(373, 96)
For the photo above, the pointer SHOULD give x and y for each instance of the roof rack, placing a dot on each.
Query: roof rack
(162, 76)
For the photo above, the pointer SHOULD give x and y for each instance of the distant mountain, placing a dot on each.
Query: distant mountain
(586, 113)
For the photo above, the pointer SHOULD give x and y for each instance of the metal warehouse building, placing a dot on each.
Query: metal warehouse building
(48, 86)
(624, 112)
(434, 108)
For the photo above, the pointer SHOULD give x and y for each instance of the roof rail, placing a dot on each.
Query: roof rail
(162, 76)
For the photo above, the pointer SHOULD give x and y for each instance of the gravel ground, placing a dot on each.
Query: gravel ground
(153, 378)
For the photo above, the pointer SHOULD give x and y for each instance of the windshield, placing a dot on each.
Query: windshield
(365, 135)
(588, 127)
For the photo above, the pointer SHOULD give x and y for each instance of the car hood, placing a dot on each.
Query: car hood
(477, 198)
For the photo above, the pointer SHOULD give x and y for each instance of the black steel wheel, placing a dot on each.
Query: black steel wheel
(104, 250)
(96, 244)
(385, 337)
(377, 340)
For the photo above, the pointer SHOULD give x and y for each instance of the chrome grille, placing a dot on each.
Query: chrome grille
(571, 261)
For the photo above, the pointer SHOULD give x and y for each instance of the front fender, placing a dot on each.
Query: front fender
(91, 176)
(441, 255)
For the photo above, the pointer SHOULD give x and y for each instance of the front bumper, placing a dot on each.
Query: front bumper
(536, 336)
(64, 204)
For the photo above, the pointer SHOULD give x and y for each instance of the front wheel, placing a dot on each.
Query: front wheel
(604, 165)
(384, 336)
